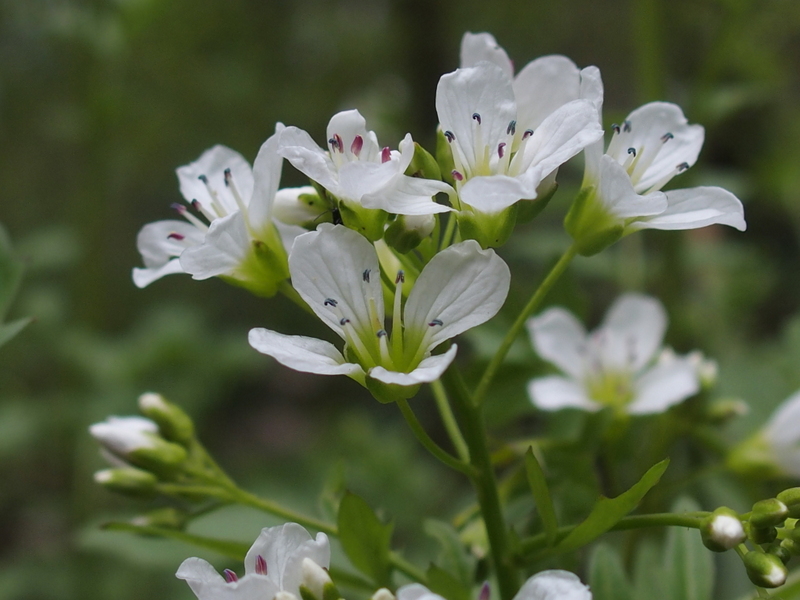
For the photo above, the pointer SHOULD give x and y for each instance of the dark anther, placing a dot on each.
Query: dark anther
(330, 302)
(401, 277)
(365, 275)
(667, 137)
(196, 205)
(381, 333)
(336, 216)
(457, 176)
(358, 143)
(180, 208)
(435, 322)
(386, 154)
(501, 148)
(227, 175)
(344, 321)
(615, 127)
(512, 128)
(682, 167)
(626, 126)
(527, 133)
(230, 576)
(632, 151)
(449, 136)
(261, 565)
(203, 178)
(175, 236)
(477, 117)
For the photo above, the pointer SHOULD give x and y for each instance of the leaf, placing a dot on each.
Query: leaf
(234, 550)
(453, 556)
(364, 538)
(443, 583)
(607, 576)
(650, 579)
(609, 511)
(689, 564)
(541, 495)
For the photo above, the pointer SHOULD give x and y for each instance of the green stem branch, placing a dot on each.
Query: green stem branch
(449, 420)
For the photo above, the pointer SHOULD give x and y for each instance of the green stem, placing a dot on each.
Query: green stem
(247, 499)
(536, 300)
(432, 447)
(449, 420)
(485, 484)
(693, 520)
(405, 567)
(448, 231)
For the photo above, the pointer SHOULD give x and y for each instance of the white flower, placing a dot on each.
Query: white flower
(546, 585)
(358, 171)
(623, 185)
(228, 230)
(336, 271)
(610, 366)
(504, 147)
(273, 564)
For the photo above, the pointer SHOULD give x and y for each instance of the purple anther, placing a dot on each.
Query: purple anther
(501, 149)
(179, 208)
(358, 143)
(477, 117)
(527, 133)
(261, 565)
(457, 176)
(626, 126)
(615, 128)
(176, 236)
(365, 275)
(401, 277)
(230, 576)
(682, 167)
(485, 592)
(667, 137)
(330, 302)
(196, 205)
(632, 151)
(449, 136)
(512, 128)
(339, 142)
(386, 154)
(203, 178)
(435, 322)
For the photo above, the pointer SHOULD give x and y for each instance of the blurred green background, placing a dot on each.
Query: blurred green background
(101, 100)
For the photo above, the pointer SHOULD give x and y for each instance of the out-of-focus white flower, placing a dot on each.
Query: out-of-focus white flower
(336, 271)
(547, 585)
(123, 435)
(273, 565)
(612, 365)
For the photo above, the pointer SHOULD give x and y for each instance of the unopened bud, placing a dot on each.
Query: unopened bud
(383, 594)
(777, 549)
(301, 206)
(168, 517)
(316, 583)
(791, 546)
(769, 512)
(123, 435)
(765, 570)
(722, 530)
(723, 410)
(127, 480)
(175, 425)
(162, 456)
(791, 498)
(406, 232)
(762, 535)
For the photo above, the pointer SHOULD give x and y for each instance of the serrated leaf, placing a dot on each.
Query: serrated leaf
(443, 583)
(365, 539)
(234, 550)
(608, 511)
(688, 563)
(607, 577)
(541, 495)
(453, 556)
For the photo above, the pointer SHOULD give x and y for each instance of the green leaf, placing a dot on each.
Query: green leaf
(649, 576)
(608, 511)
(234, 550)
(607, 576)
(541, 495)
(365, 539)
(443, 583)
(689, 564)
(453, 556)
(9, 330)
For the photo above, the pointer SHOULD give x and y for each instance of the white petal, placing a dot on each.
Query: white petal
(494, 193)
(560, 338)
(664, 385)
(781, 430)
(697, 207)
(283, 548)
(616, 192)
(156, 245)
(330, 264)
(200, 575)
(226, 245)
(554, 393)
(359, 178)
(430, 369)
(304, 354)
(144, 277)
(212, 164)
(347, 125)
(416, 591)
(296, 146)
(266, 178)
(409, 196)
(288, 233)
(483, 90)
(543, 86)
(592, 90)
(477, 47)
(462, 287)
(554, 585)
(633, 330)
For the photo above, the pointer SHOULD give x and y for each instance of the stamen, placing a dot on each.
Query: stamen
(501, 149)
(632, 151)
(176, 236)
(626, 126)
(485, 591)
(386, 155)
(230, 576)
(667, 137)
(682, 167)
(527, 133)
(179, 208)
(344, 321)
(229, 183)
(615, 128)
(365, 275)
(397, 316)
(330, 302)
(457, 176)
(512, 128)
(401, 277)
(436, 322)
(381, 332)
(184, 212)
(261, 565)
(477, 117)
(449, 136)
(336, 142)
(358, 143)
(203, 178)
(227, 176)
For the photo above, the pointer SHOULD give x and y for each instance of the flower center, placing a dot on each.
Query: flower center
(343, 151)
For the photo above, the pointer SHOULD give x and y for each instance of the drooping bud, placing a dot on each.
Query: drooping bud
(791, 498)
(722, 530)
(765, 570)
(175, 425)
(316, 584)
(768, 513)
(127, 480)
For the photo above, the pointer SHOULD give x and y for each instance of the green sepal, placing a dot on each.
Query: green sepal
(167, 517)
(163, 458)
(768, 513)
(404, 239)
(765, 570)
(528, 210)
(423, 164)
(589, 223)
(173, 422)
(387, 393)
(444, 157)
(368, 222)
(264, 268)
(365, 540)
(490, 230)
(762, 535)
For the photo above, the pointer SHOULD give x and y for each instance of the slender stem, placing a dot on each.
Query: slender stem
(448, 231)
(405, 567)
(247, 499)
(432, 447)
(536, 299)
(485, 484)
(449, 420)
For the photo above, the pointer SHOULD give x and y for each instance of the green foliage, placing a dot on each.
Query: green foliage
(607, 576)
(365, 539)
(10, 278)
(541, 495)
(689, 567)
(453, 559)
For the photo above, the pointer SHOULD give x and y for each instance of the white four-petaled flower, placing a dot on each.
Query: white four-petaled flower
(612, 366)
(336, 271)
(273, 564)
(546, 585)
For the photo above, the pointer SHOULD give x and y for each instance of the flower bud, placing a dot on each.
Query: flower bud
(168, 517)
(316, 584)
(175, 425)
(768, 513)
(765, 570)
(127, 480)
(301, 206)
(722, 530)
(762, 535)
(406, 232)
(791, 498)
(777, 549)
(123, 435)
